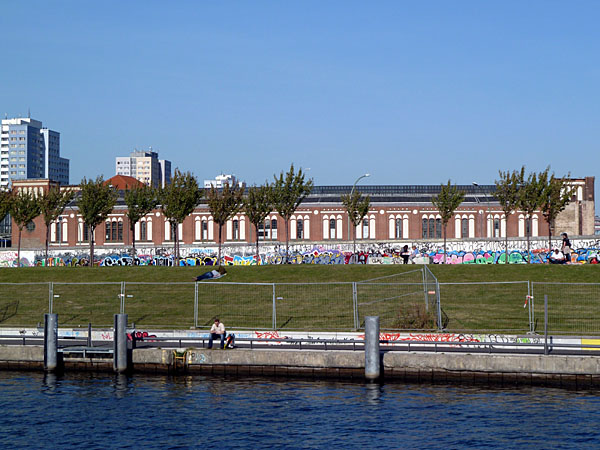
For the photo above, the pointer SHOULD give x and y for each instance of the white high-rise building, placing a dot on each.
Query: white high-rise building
(27, 150)
(145, 167)
(222, 180)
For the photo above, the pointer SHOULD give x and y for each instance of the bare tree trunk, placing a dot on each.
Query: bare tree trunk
(287, 239)
(550, 237)
(47, 239)
(527, 233)
(354, 248)
(92, 246)
(444, 230)
(220, 234)
(132, 229)
(257, 253)
(19, 248)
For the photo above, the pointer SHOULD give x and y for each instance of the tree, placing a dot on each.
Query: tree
(555, 197)
(6, 198)
(357, 208)
(258, 203)
(288, 192)
(530, 198)
(140, 201)
(95, 203)
(178, 200)
(52, 205)
(446, 202)
(224, 203)
(24, 208)
(507, 193)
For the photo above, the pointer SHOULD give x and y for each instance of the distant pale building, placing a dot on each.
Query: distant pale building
(29, 151)
(145, 167)
(165, 172)
(222, 180)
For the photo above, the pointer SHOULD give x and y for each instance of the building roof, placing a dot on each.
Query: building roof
(123, 182)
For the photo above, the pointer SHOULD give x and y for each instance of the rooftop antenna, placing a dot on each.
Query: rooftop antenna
(29, 113)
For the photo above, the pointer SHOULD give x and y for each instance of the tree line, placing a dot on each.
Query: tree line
(515, 191)
(177, 200)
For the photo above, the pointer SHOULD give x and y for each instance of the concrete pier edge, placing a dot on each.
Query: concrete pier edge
(552, 370)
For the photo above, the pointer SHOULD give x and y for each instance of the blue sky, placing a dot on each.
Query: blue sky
(411, 92)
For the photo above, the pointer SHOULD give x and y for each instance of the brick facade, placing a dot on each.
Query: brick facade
(397, 213)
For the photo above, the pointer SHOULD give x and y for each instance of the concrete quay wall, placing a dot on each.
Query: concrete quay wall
(552, 370)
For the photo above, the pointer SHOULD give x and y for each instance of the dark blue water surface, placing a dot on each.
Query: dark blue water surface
(104, 411)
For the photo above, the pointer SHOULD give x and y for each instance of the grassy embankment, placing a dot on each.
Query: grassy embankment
(169, 300)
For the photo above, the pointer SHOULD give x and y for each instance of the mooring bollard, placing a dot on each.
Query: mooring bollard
(372, 360)
(120, 343)
(50, 342)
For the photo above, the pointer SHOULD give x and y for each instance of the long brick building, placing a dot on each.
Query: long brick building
(397, 213)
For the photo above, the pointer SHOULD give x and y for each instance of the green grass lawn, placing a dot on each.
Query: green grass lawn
(308, 297)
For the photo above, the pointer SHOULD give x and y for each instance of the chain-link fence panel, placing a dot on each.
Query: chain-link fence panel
(237, 305)
(573, 308)
(23, 304)
(314, 306)
(400, 306)
(160, 304)
(494, 306)
(78, 304)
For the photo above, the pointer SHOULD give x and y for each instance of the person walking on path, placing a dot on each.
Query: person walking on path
(566, 247)
(217, 331)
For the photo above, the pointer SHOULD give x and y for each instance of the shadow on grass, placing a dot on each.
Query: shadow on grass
(8, 309)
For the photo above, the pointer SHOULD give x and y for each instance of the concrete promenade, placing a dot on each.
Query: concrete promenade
(506, 369)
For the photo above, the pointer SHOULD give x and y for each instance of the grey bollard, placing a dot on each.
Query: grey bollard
(120, 362)
(50, 342)
(372, 359)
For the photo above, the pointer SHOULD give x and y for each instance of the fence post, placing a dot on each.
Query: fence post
(425, 289)
(531, 310)
(196, 304)
(372, 357)
(120, 362)
(439, 305)
(50, 296)
(50, 342)
(545, 324)
(355, 304)
(274, 309)
(122, 311)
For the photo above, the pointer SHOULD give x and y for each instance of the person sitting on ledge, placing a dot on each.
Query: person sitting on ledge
(557, 257)
(217, 331)
(213, 274)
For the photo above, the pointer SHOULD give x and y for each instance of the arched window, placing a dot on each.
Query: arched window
(143, 231)
(114, 231)
(332, 234)
(274, 229)
(365, 228)
(496, 227)
(425, 234)
(398, 228)
(204, 230)
(464, 227)
(236, 230)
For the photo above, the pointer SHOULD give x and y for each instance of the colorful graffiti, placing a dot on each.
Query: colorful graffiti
(459, 252)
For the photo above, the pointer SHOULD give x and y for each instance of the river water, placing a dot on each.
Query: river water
(106, 411)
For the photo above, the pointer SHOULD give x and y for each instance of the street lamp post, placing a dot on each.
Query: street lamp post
(352, 192)
(487, 201)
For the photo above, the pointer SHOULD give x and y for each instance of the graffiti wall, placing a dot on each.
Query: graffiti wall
(458, 252)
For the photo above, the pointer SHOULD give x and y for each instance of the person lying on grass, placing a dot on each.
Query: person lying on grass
(213, 274)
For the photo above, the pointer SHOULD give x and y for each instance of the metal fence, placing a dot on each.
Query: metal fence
(414, 300)
(573, 308)
(494, 307)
